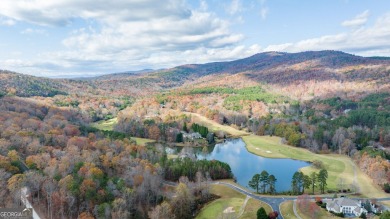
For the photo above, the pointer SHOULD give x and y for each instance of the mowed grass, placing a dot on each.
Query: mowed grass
(142, 141)
(287, 210)
(214, 126)
(338, 166)
(107, 125)
(251, 208)
(230, 198)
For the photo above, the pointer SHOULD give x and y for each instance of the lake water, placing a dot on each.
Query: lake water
(245, 164)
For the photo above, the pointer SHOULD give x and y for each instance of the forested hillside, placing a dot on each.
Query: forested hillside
(326, 102)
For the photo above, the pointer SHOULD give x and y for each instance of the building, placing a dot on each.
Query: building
(191, 136)
(345, 205)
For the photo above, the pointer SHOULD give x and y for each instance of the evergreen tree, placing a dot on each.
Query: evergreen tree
(297, 182)
(313, 179)
(322, 177)
(306, 182)
(261, 214)
(179, 137)
(264, 180)
(255, 182)
(271, 182)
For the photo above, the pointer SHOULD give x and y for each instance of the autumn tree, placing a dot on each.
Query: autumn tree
(4, 176)
(164, 210)
(183, 202)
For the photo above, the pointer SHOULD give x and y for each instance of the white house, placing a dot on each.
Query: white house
(345, 205)
(191, 136)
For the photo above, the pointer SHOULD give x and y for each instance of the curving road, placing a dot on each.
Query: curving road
(273, 201)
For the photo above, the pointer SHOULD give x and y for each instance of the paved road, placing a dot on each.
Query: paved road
(273, 201)
(26, 202)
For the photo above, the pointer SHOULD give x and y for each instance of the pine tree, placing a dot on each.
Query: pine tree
(322, 177)
(255, 182)
(264, 180)
(261, 214)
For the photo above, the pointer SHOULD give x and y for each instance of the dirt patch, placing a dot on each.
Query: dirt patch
(229, 210)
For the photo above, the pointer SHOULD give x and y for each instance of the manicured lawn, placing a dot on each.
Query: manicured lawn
(286, 209)
(142, 141)
(214, 126)
(338, 166)
(230, 198)
(251, 208)
(225, 192)
(106, 125)
(215, 209)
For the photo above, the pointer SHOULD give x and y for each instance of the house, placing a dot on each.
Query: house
(345, 205)
(191, 136)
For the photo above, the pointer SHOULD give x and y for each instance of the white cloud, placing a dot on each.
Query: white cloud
(203, 5)
(7, 21)
(357, 21)
(235, 7)
(264, 12)
(33, 31)
(129, 35)
(363, 41)
(62, 12)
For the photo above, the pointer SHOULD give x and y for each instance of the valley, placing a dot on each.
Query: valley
(167, 143)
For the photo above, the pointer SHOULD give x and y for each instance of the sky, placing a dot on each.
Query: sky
(89, 37)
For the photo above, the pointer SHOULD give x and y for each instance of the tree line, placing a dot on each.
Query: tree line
(301, 181)
(263, 182)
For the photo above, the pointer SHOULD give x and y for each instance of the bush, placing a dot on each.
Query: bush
(261, 214)
(337, 214)
(386, 187)
(318, 164)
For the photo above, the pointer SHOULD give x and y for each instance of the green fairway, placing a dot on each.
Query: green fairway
(214, 126)
(142, 141)
(230, 200)
(107, 125)
(338, 166)
(251, 208)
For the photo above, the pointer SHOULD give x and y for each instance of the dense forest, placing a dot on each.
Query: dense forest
(326, 102)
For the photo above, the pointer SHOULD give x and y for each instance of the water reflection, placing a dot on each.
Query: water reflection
(244, 164)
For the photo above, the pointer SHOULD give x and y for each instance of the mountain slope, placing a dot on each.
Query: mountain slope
(25, 85)
(276, 67)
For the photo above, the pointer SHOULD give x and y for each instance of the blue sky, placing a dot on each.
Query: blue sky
(86, 37)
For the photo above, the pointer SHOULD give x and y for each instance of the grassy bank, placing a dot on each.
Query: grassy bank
(287, 211)
(214, 126)
(107, 125)
(338, 166)
(230, 198)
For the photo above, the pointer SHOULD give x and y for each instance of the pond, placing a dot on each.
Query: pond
(245, 164)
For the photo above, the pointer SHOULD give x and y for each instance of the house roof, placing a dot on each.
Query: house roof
(338, 202)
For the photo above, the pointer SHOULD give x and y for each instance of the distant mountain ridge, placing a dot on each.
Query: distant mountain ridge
(278, 67)
(275, 68)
